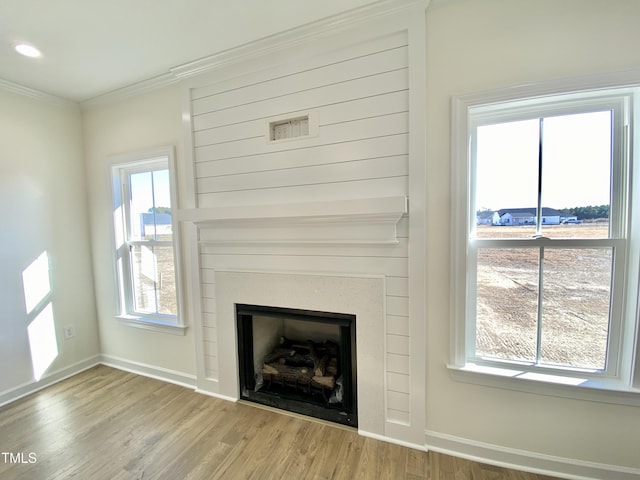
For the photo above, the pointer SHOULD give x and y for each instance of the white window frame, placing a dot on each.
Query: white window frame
(619, 382)
(122, 166)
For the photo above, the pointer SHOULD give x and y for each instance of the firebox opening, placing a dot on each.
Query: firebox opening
(298, 360)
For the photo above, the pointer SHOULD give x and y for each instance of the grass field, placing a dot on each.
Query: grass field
(575, 299)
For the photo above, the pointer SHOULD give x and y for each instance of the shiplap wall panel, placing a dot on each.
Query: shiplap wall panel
(397, 306)
(398, 325)
(373, 85)
(208, 290)
(399, 286)
(388, 124)
(206, 276)
(383, 104)
(398, 401)
(306, 63)
(359, 96)
(208, 305)
(398, 382)
(388, 187)
(398, 363)
(352, 69)
(398, 344)
(387, 146)
(317, 174)
(360, 108)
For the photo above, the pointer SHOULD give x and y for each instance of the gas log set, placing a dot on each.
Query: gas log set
(302, 361)
(305, 366)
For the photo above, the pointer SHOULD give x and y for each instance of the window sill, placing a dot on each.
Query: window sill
(154, 325)
(604, 390)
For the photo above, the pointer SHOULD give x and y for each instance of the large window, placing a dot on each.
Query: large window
(145, 240)
(543, 282)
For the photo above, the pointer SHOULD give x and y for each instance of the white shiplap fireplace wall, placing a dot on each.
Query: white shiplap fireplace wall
(335, 219)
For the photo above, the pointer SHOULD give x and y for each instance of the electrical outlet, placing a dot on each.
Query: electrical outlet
(69, 332)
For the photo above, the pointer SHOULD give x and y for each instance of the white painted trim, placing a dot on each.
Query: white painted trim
(148, 324)
(393, 206)
(583, 83)
(384, 438)
(151, 371)
(526, 461)
(296, 37)
(217, 395)
(193, 295)
(127, 162)
(606, 390)
(135, 89)
(9, 396)
(343, 222)
(417, 261)
(35, 94)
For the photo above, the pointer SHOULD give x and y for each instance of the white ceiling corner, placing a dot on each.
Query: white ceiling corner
(92, 48)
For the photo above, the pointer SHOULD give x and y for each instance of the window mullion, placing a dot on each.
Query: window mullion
(540, 298)
(539, 197)
(129, 299)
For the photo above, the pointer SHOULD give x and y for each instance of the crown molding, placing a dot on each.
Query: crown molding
(138, 88)
(280, 41)
(16, 88)
(296, 36)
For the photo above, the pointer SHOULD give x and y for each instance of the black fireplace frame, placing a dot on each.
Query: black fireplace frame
(347, 412)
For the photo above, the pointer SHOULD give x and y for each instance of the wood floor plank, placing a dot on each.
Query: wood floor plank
(107, 424)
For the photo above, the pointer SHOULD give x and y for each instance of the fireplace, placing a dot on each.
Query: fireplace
(302, 361)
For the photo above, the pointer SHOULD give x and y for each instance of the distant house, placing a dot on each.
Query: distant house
(527, 216)
(485, 217)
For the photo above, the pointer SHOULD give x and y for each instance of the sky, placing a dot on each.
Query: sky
(576, 162)
(146, 185)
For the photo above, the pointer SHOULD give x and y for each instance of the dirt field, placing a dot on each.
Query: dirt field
(160, 267)
(575, 301)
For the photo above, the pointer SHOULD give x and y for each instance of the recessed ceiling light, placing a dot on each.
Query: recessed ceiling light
(27, 50)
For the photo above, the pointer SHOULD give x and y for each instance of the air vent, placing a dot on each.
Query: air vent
(302, 126)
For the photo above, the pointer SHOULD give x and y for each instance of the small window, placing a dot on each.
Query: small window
(146, 241)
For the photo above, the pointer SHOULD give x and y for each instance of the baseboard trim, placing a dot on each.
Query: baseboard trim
(526, 461)
(216, 395)
(49, 379)
(151, 371)
(395, 441)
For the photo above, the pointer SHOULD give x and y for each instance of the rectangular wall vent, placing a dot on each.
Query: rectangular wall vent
(292, 128)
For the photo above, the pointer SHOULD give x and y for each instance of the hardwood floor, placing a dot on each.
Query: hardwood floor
(109, 424)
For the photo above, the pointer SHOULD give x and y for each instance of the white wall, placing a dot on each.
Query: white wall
(43, 199)
(139, 123)
(474, 46)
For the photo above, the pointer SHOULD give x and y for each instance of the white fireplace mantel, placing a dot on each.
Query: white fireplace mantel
(370, 221)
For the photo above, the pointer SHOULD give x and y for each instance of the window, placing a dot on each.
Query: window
(543, 282)
(146, 241)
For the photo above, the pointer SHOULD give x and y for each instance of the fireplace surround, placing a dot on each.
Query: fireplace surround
(360, 295)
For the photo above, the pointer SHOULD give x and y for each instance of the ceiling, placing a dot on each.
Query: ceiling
(92, 47)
